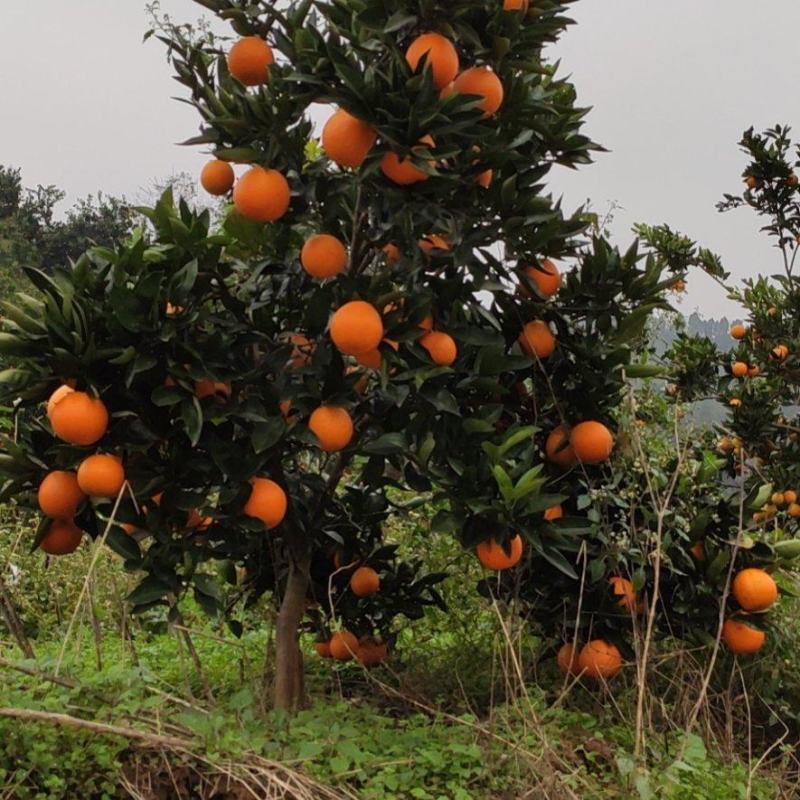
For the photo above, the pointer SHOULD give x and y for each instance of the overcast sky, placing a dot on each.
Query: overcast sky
(86, 106)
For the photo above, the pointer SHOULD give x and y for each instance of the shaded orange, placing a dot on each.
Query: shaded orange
(333, 426)
(493, 556)
(599, 660)
(537, 339)
(101, 475)
(365, 582)
(267, 502)
(440, 57)
(217, 177)
(59, 494)
(62, 537)
(592, 442)
(323, 256)
(441, 347)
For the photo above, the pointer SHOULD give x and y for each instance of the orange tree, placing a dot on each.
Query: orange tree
(380, 314)
(758, 382)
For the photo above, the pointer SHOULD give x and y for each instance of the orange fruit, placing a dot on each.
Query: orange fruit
(545, 278)
(739, 369)
(62, 537)
(738, 331)
(434, 241)
(778, 499)
(741, 638)
(623, 588)
(698, 551)
(780, 351)
(79, 419)
(567, 659)
(441, 348)
(344, 646)
(493, 556)
(372, 359)
(356, 328)
(171, 311)
(484, 179)
(751, 182)
(195, 522)
(481, 81)
(402, 170)
(323, 256)
(537, 339)
(735, 402)
(57, 396)
(101, 476)
(790, 496)
(392, 253)
(426, 324)
(793, 510)
(333, 426)
(347, 140)
(754, 589)
(371, 652)
(558, 448)
(217, 177)
(553, 513)
(599, 660)
(365, 582)
(59, 494)
(267, 502)
(440, 57)
(792, 180)
(302, 351)
(207, 388)
(323, 649)
(262, 195)
(592, 442)
(249, 60)
(516, 5)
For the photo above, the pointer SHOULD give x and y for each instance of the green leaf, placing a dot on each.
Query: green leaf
(192, 416)
(386, 445)
(149, 590)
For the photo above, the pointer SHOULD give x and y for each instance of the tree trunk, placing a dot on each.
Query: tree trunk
(289, 690)
(13, 622)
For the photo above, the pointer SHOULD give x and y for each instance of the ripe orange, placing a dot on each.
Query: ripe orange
(790, 496)
(484, 179)
(434, 241)
(302, 351)
(217, 177)
(323, 649)
(537, 339)
(371, 652)
(249, 60)
(546, 279)
(356, 328)
(402, 171)
(738, 331)
(735, 402)
(751, 182)
(481, 81)
(754, 589)
(623, 588)
(267, 502)
(441, 347)
(195, 522)
(323, 256)
(57, 396)
(207, 388)
(516, 5)
(778, 499)
(101, 476)
(262, 195)
(742, 638)
(567, 659)
(440, 56)
(333, 426)
(793, 510)
(780, 351)
(739, 369)
(493, 556)
(558, 448)
(698, 551)
(79, 419)
(62, 537)
(347, 140)
(365, 582)
(371, 360)
(553, 513)
(599, 660)
(392, 253)
(592, 442)
(344, 646)
(59, 494)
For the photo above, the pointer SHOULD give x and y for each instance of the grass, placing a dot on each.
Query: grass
(448, 719)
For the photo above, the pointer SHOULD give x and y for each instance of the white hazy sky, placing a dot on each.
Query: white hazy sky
(673, 85)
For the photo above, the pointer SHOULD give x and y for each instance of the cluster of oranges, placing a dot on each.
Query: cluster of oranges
(81, 420)
(755, 591)
(785, 501)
